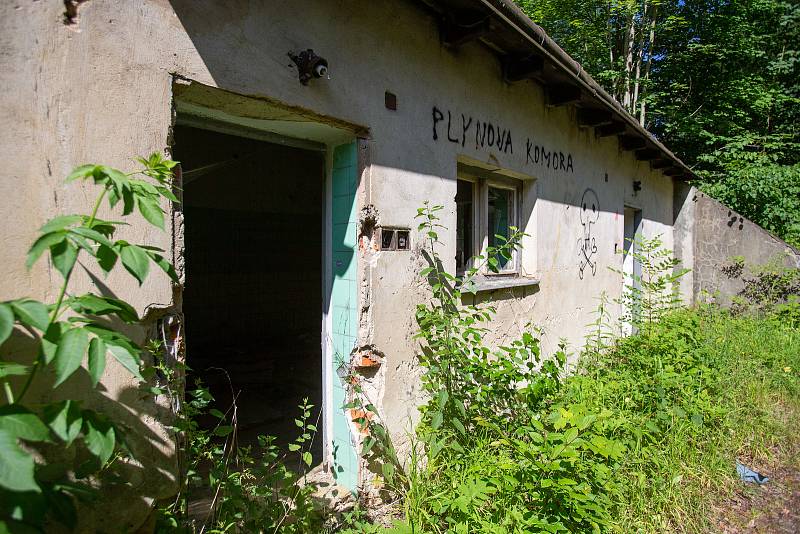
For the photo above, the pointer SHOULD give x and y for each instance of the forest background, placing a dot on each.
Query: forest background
(718, 81)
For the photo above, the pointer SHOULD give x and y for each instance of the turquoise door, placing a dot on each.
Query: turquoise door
(343, 305)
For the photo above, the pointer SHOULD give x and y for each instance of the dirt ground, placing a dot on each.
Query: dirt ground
(773, 507)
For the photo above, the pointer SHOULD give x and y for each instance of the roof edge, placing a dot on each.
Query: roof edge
(514, 18)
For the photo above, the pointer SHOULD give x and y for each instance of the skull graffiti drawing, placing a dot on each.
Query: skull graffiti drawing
(587, 248)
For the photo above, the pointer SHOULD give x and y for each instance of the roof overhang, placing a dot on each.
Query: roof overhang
(526, 52)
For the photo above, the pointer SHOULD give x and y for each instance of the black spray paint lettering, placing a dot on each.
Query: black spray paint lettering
(480, 134)
(437, 116)
(492, 135)
(486, 134)
(464, 127)
(551, 159)
(450, 137)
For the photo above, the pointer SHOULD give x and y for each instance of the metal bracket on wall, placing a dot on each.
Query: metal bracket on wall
(309, 65)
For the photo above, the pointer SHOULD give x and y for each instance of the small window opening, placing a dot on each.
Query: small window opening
(402, 240)
(395, 239)
(501, 219)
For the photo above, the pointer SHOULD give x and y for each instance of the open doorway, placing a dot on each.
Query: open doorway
(253, 299)
(631, 266)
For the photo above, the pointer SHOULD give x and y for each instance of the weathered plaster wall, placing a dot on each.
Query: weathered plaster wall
(721, 235)
(101, 91)
(101, 94)
(683, 209)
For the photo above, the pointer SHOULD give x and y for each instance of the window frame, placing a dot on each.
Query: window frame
(480, 219)
(474, 238)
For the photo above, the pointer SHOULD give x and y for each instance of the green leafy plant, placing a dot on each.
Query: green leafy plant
(689, 395)
(75, 332)
(377, 448)
(464, 378)
(765, 288)
(643, 436)
(256, 488)
(495, 451)
(650, 294)
(236, 488)
(601, 333)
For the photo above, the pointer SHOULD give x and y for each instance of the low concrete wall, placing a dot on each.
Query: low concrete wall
(720, 235)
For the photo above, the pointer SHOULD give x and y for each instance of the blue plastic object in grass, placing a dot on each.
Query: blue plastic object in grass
(748, 475)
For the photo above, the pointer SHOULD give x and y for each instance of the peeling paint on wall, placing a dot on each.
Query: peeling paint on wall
(71, 7)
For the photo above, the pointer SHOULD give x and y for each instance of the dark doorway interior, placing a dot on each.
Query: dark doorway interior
(253, 297)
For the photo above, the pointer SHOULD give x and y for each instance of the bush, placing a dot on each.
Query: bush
(643, 437)
(253, 488)
(690, 395)
(765, 288)
(496, 451)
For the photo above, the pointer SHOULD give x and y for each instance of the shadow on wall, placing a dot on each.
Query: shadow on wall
(217, 31)
(130, 485)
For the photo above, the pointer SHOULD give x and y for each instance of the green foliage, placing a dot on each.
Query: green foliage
(765, 194)
(651, 293)
(772, 288)
(254, 488)
(493, 451)
(35, 488)
(610, 38)
(720, 83)
(691, 394)
(642, 438)
(465, 379)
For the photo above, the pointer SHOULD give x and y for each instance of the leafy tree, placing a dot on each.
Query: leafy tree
(726, 99)
(615, 40)
(716, 80)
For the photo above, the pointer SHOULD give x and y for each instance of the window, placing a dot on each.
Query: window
(485, 208)
(464, 226)
(501, 217)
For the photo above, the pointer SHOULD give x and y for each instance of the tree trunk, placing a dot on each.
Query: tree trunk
(639, 57)
(630, 37)
(649, 60)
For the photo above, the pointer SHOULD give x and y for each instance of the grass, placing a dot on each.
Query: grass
(686, 397)
(717, 388)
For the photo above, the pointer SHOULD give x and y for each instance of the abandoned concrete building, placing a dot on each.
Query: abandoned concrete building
(308, 136)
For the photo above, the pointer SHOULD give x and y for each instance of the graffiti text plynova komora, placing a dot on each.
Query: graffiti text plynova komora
(461, 128)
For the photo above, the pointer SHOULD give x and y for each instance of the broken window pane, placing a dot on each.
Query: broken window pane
(387, 239)
(464, 232)
(500, 214)
(402, 240)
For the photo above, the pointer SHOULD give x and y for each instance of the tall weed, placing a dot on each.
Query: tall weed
(690, 395)
(496, 450)
(642, 438)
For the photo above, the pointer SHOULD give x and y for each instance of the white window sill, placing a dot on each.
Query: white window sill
(492, 283)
